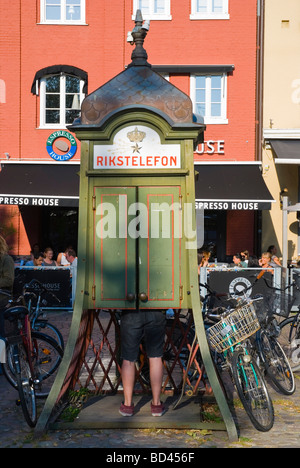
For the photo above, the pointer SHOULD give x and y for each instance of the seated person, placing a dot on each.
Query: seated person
(239, 261)
(203, 258)
(274, 259)
(38, 259)
(62, 257)
(265, 260)
(48, 258)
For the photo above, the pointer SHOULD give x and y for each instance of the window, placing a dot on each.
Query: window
(63, 11)
(60, 100)
(153, 9)
(209, 96)
(209, 9)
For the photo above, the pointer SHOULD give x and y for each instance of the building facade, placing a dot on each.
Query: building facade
(281, 123)
(54, 53)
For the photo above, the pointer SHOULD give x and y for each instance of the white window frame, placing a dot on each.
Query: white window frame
(209, 119)
(209, 15)
(62, 108)
(153, 16)
(63, 20)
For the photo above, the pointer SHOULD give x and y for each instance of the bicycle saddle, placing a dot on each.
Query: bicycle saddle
(15, 313)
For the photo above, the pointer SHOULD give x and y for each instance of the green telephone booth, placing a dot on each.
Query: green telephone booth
(137, 230)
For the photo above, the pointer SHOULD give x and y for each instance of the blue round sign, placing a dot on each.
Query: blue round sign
(69, 153)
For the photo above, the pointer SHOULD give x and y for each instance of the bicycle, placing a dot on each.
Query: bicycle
(181, 346)
(35, 295)
(231, 351)
(266, 345)
(290, 340)
(28, 354)
(290, 335)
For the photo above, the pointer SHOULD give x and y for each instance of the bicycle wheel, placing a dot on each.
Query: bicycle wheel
(46, 360)
(252, 391)
(290, 341)
(276, 364)
(49, 330)
(25, 384)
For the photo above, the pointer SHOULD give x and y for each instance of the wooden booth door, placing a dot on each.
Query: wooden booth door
(137, 241)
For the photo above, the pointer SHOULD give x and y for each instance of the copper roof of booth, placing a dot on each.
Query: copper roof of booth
(138, 85)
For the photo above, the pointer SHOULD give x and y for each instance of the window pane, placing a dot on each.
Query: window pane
(217, 6)
(53, 84)
(216, 110)
(71, 115)
(73, 101)
(69, 101)
(72, 84)
(53, 9)
(216, 82)
(144, 5)
(201, 109)
(52, 101)
(73, 10)
(202, 6)
(159, 6)
(200, 82)
(215, 95)
(200, 95)
(52, 117)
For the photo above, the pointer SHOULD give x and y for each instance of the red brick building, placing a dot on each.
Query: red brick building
(55, 52)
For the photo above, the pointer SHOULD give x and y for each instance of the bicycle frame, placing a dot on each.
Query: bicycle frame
(232, 349)
(25, 334)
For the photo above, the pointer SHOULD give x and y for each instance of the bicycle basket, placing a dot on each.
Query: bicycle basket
(234, 328)
(11, 320)
(277, 303)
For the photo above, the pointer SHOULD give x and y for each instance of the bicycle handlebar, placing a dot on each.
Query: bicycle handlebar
(5, 293)
(206, 286)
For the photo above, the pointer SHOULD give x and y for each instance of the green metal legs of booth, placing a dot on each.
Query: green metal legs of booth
(209, 366)
(80, 335)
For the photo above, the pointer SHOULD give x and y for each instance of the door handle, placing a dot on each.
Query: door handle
(143, 297)
(130, 297)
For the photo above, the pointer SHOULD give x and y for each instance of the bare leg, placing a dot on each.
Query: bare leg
(128, 378)
(156, 376)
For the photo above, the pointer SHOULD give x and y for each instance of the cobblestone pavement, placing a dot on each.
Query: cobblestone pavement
(14, 432)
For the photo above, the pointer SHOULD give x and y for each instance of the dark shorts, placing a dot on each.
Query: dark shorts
(148, 326)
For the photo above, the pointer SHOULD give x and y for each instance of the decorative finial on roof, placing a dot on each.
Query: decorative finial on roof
(139, 55)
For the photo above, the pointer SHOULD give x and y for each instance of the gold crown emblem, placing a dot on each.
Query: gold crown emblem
(136, 135)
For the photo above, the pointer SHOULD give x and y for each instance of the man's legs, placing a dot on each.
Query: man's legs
(156, 376)
(132, 327)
